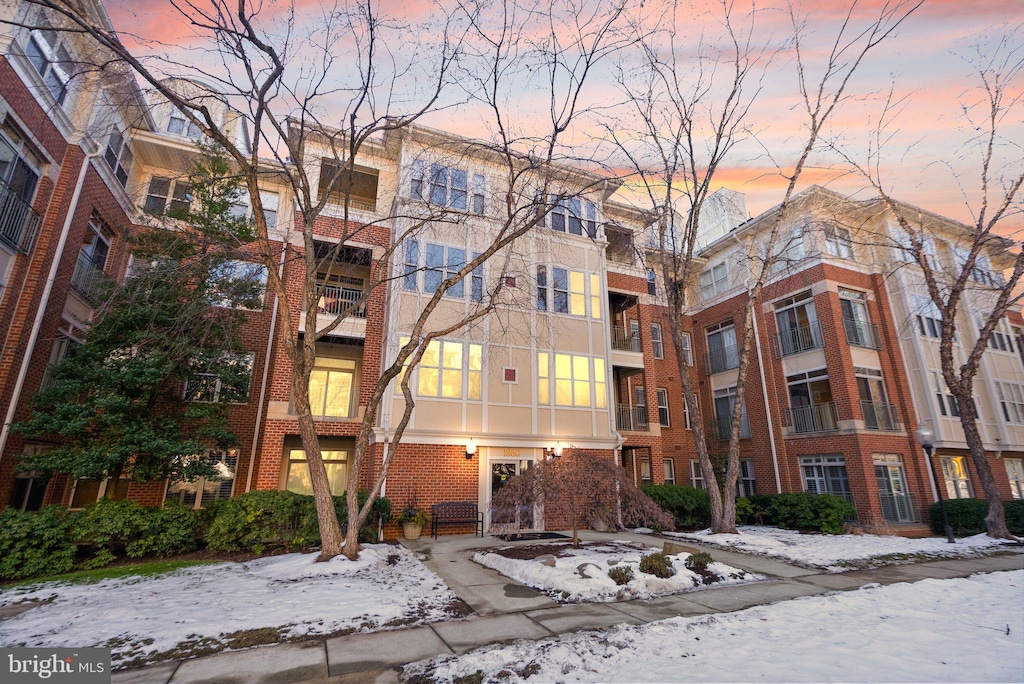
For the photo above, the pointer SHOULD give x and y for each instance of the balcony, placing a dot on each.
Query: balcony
(899, 508)
(861, 334)
(726, 358)
(335, 299)
(19, 222)
(631, 418)
(797, 340)
(89, 280)
(879, 416)
(625, 340)
(813, 418)
(724, 426)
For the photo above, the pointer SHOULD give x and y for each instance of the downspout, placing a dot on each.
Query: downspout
(767, 407)
(266, 372)
(51, 278)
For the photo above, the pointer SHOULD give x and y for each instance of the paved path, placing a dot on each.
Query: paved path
(507, 611)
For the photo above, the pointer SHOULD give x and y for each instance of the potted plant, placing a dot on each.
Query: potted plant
(412, 519)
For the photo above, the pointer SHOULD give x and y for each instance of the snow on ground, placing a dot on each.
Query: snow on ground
(203, 608)
(840, 552)
(953, 630)
(563, 582)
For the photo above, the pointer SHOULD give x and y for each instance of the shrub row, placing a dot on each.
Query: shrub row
(56, 540)
(824, 513)
(689, 506)
(967, 516)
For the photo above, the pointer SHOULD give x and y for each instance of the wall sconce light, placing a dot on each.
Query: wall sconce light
(555, 451)
(470, 450)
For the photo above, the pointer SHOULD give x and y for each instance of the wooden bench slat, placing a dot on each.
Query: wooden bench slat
(455, 513)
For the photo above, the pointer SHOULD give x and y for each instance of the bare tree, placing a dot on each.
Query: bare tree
(982, 280)
(693, 115)
(284, 75)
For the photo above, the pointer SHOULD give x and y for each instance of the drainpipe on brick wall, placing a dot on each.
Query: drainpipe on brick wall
(767, 406)
(266, 372)
(37, 324)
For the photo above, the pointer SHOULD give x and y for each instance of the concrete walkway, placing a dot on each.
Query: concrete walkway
(506, 611)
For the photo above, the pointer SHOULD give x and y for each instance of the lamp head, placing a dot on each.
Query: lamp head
(925, 436)
(470, 450)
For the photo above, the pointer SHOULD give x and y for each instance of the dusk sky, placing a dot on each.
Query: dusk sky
(924, 63)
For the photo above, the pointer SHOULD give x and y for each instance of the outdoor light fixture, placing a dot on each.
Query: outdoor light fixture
(926, 437)
(470, 450)
(556, 450)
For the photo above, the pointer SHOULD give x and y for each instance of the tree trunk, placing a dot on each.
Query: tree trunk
(995, 521)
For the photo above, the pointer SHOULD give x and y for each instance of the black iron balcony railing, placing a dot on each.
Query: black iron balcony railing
(880, 416)
(723, 359)
(335, 299)
(796, 340)
(724, 425)
(861, 334)
(19, 222)
(631, 418)
(625, 340)
(88, 279)
(813, 418)
(899, 508)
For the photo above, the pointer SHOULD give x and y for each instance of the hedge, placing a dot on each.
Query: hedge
(688, 505)
(796, 511)
(967, 516)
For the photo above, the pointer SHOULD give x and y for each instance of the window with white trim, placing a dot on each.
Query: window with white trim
(572, 215)
(50, 58)
(1011, 399)
(725, 401)
(297, 477)
(178, 124)
(332, 386)
(714, 280)
(788, 249)
(838, 242)
(958, 480)
(450, 369)
(270, 200)
(669, 467)
(947, 402)
(1000, 338)
(568, 292)
(29, 489)
(657, 344)
(572, 380)
(826, 474)
(686, 413)
(696, 477)
(687, 346)
(982, 272)
(225, 379)
(236, 284)
(929, 318)
(441, 262)
(171, 195)
(441, 185)
(206, 489)
(118, 156)
(663, 414)
(1015, 474)
(20, 169)
(477, 205)
(745, 483)
(1018, 339)
(905, 248)
(87, 490)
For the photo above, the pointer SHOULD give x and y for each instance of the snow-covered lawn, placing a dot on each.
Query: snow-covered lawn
(840, 552)
(230, 605)
(954, 630)
(566, 581)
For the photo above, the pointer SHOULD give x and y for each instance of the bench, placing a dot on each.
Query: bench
(455, 513)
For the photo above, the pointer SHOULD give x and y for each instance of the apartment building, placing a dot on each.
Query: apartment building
(577, 354)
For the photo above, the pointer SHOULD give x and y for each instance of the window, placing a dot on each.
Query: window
(812, 408)
(826, 474)
(96, 244)
(929, 318)
(161, 190)
(652, 282)
(332, 387)
(1011, 399)
(999, 339)
(722, 352)
(879, 414)
(797, 320)
(179, 125)
(29, 489)
(958, 482)
(714, 281)
(118, 156)
(982, 271)
(237, 284)
(297, 478)
(205, 490)
(947, 402)
(270, 200)
(412, 260)
(669, 467)
(542, 288)
(445, 364)
(477, 206)
(568, 289)
(49, 57)
(696, 477)
(838, 242)
(441, 263)
(572, 380)
(656, 342)
(859, 330)
(788, 250)
(1018, 338)
(663, 416)
(686, 414)
(572, 215)
(445, 186)
(19, 177)
(905, 248)
(88, 490)
(725, 400)
(1015, 474)
(745, 484)
(476, 281)
(645, 470)
(595, 296)
(224, 379)
(684, 338)
(357, 184)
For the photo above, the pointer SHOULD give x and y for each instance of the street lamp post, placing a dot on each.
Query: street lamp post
(926, 437)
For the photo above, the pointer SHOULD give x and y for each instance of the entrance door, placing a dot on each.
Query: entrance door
(519, 518)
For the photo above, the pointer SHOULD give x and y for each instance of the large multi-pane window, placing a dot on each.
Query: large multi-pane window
(440, 262)
(241, 208)
(929, 318)
(206, 489)
(725, 400)
(838, 242)
(663, 414)
(1015, 474)
(687, 346)
(571, 380)
(947, 402)
(859, 331)
(722, 352)
(826, 474)
(669, 467)
(812, 408)
(445, 186)
(657, 344)
(566, 291)
(1011, 400)
(450, 369)
(958, 480)
(177, 124)
(573, 215)
(46, 51)
(797, 320)
(170, 195)
(119, 156)
(714, 280)
(19, 177)
(788, 250)
(905, 248)
(332, 387)
(297, 478)
(235, 284)
(745, 483)
(224, 379)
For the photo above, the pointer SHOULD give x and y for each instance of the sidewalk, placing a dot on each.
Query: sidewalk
(507, 611)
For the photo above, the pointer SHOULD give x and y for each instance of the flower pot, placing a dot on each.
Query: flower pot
(411, 530)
